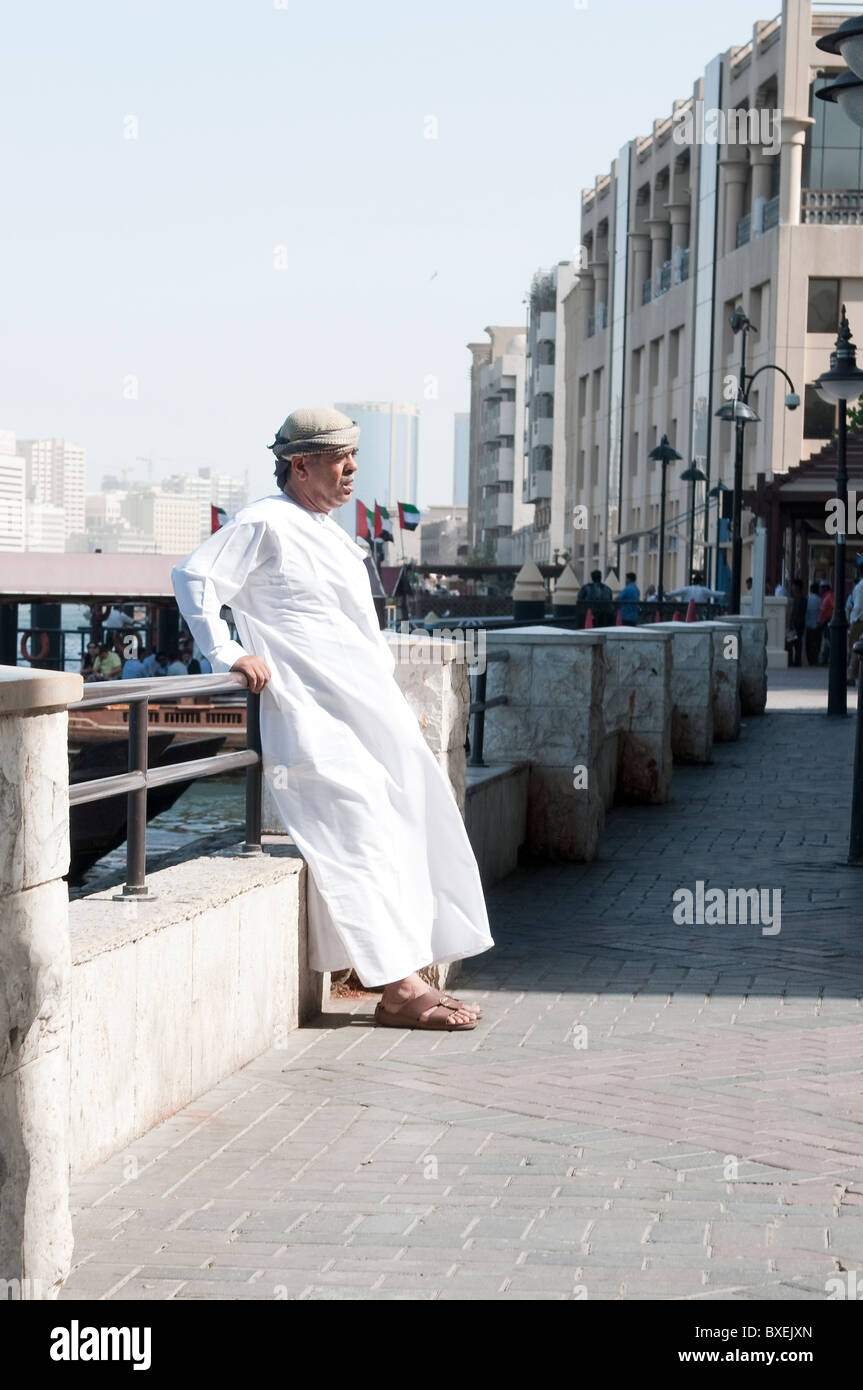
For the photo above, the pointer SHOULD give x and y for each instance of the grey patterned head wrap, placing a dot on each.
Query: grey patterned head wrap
(315, 429)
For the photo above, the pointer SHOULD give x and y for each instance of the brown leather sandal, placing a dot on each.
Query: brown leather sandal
(408, 1016)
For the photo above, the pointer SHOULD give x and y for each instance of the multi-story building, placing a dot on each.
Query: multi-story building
(173, 521)
(461, 458)
(544, 449)
(495, 503)
(209, 488)
(44, 526)
(388, 459)
(13, 479)
(747, 195)
(444, 536)
(56, 472)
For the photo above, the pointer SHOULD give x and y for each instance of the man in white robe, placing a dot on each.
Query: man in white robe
(393, 884)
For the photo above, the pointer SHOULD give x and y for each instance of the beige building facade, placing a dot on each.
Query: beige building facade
(746, 196)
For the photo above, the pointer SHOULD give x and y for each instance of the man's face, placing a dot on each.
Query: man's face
(323, 481)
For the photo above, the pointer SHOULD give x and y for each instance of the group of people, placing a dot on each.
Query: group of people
(103, 662)
(809, 618)
(601, 600)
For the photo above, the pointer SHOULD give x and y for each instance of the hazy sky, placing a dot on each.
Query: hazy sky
(281, 232)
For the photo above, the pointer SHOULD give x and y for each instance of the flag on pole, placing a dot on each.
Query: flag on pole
(218, 517)
(365, 521)
(409, 516)
(383, 528)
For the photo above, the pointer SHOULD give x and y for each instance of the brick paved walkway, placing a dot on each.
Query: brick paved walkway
(703, 1138)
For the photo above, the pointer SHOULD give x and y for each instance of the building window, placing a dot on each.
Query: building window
(834, 145)
(636, 371)
(674, 352)
(819, 418)
(822, 314)
(582, 397)
(654, 363)
(597, 388)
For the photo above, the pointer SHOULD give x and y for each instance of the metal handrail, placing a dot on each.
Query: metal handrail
(478, 707)
(139, 777)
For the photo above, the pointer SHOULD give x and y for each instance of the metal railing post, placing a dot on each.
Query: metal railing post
(254, 777)
(476, 743)
(855, 846)
(136, 807)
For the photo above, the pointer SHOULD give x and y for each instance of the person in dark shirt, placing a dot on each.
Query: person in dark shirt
(599, 599)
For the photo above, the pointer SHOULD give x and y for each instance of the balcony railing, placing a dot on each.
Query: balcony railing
(680, 265)
(834, 207)
(744, 230)
(140, 777)
(771, 214)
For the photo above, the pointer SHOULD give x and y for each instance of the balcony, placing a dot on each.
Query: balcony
(543, 380)
(542, 432)
(547, 327)
(598, 321)
(505, 465)
(680, 265)
(537, 486)
(499, 422)
(497, 511)
(832, 207)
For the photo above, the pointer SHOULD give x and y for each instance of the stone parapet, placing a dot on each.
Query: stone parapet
(35, 976)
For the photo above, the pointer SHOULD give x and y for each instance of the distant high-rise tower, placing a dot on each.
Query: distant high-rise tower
(388, 459)
(461, 458)
(55, 473)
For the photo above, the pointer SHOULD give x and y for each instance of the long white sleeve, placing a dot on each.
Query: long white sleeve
(209, 578)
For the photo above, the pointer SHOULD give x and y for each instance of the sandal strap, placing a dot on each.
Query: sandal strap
(449, 1003)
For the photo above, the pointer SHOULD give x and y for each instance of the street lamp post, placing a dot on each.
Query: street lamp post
(841, 384)
(740, 411)
(692, 475)
(665, 454)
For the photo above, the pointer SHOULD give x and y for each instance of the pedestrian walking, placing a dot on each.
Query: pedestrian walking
(599, 599)
(796, 624)
(855, 618)
(813, 631)
(628, 599)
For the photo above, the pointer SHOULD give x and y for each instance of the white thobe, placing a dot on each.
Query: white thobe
(394, 884)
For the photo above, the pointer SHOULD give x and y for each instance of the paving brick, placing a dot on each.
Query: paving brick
(601, 1167)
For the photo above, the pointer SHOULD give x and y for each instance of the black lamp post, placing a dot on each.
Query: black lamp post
(842, 383)
(692, 475)
(665, 454)
(717, 493)
(742, 414)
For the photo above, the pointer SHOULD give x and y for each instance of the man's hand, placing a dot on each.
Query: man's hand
(256, 671)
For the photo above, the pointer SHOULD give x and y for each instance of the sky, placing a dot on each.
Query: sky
(218, 211)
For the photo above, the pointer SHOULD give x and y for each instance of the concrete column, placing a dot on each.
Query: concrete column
(553, 719)
(691, 691)
(433, 675)
(678, 216)
(762, 172)
(793, 135)
(735, 173)
(640, 243)
(753, 662)
(659, 232)
(600, 280)
(35, 975)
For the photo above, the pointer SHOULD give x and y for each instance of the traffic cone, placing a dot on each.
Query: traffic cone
(675, 617)
(691, 614)
(588, 622)
(658, 618)
(618, 622)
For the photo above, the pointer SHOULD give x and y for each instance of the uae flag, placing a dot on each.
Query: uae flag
(383, 528)
(218, 517)
(365, 521)
(409, 516)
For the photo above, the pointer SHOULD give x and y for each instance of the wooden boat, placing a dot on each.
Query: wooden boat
(97, 827)
(193, 719)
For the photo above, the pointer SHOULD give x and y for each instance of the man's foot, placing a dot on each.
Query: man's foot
(412, 987)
